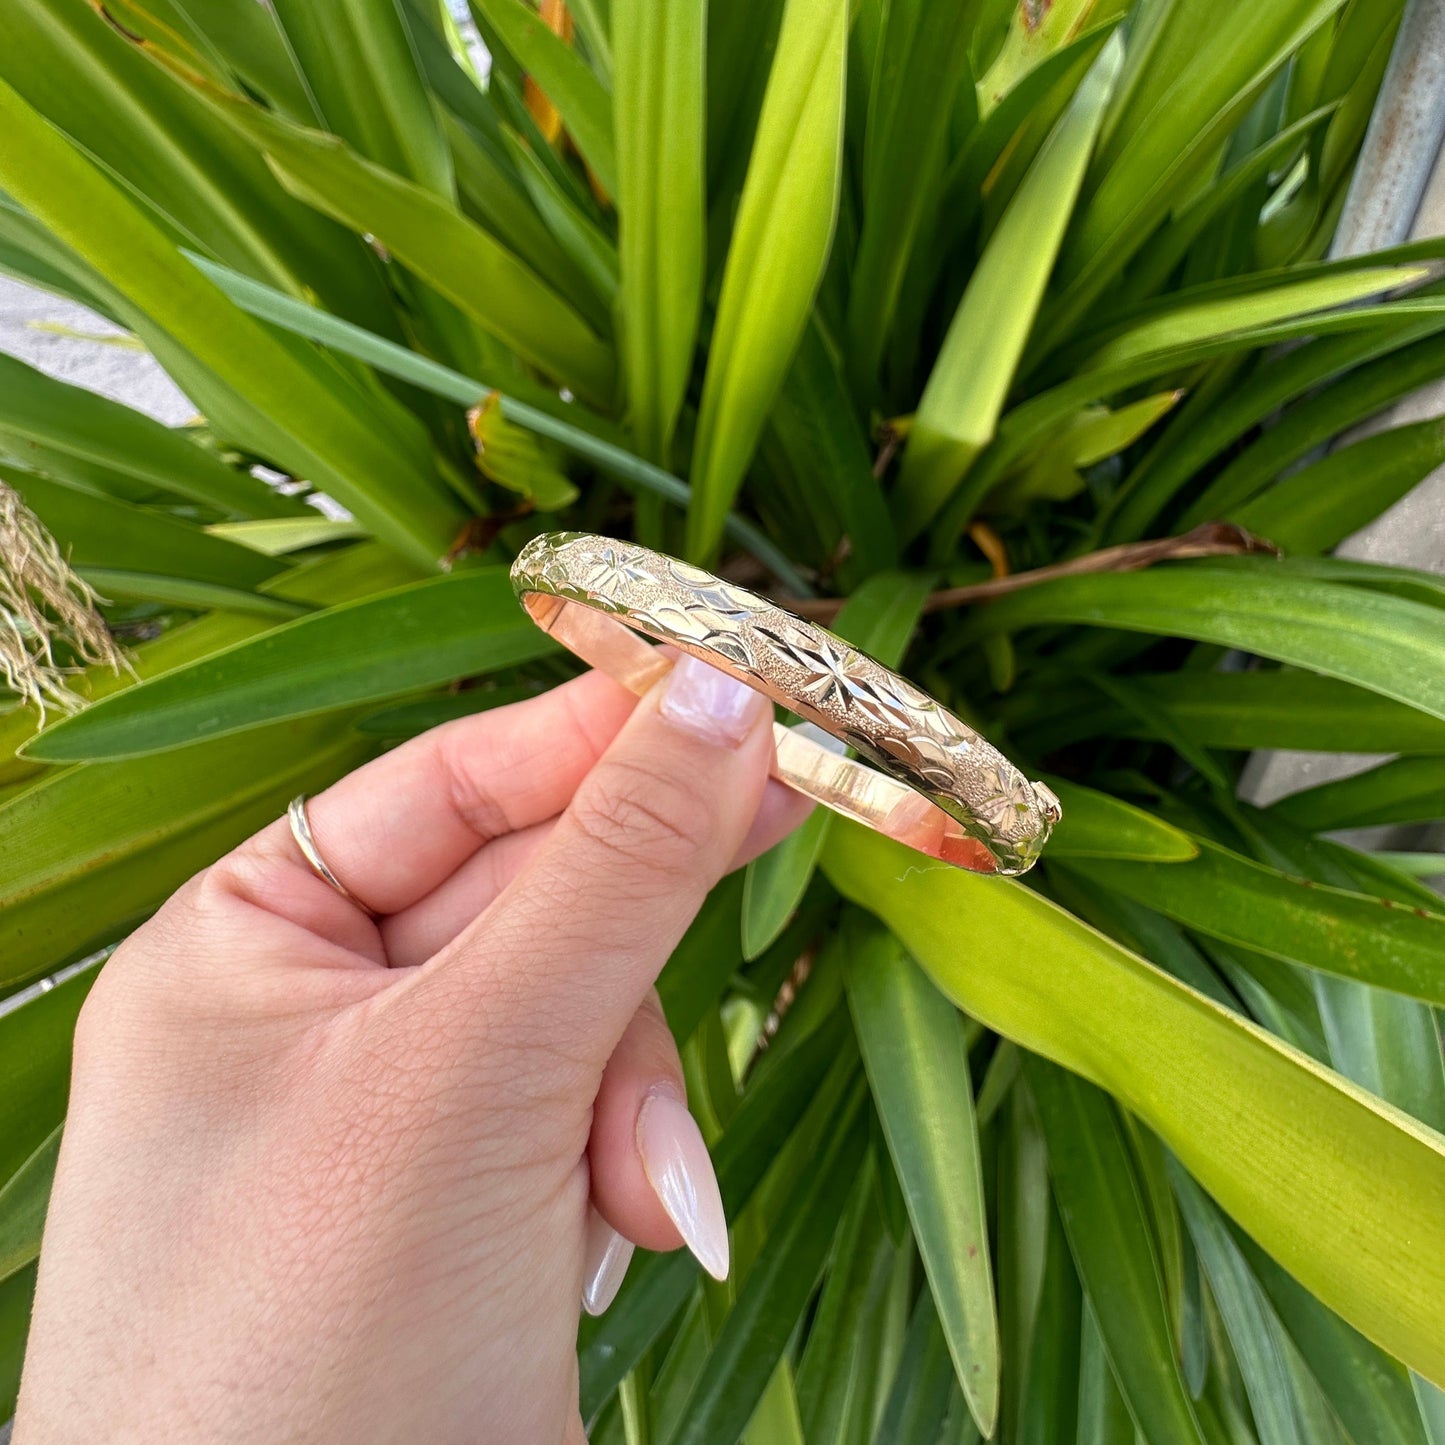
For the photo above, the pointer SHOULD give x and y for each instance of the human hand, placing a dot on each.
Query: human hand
(327, 1178)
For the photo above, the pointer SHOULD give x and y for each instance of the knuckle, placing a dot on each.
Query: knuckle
(642, 816)
(472, 798)
(94, 1030)
(242, 874)
(648, 1050)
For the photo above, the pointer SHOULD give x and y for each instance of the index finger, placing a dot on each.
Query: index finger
(397, 828)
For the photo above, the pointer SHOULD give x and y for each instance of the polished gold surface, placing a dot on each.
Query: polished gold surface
(935, 784)
(300, 821)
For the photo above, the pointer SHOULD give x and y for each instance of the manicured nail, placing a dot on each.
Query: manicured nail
(677, 1165)
(606, 1257)
(701, 700)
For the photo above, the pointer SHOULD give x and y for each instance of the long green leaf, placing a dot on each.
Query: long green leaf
(917, 1405)
(1370, 1392)
(358, 571)
(1006, 122)
(1032, 420)
(588, 438)
(922, 61)
(94, 79)
(809, 1078)
(1406, 582)
(1372, 365)
(15, 1297)
(1151, 269)
(465, 264)
(1023, 1210)
(660, 59)
(1050, 1406)
(1343, 1190)
(251, 43)
(362, 73)
(1103, 1417)
(1278, 708)
(829, 1374)
(35, 1052)
(965, 392)
(1362, 383)
(418, 636)
(1254, 1330)
(775, 1293)
(1181, 327)
(35, 1068)
(1193, 68)
(562, 74)
(1389, 645)
(1356, 935)
(779, 246)
(116, 585)
(23, 1201)
(816, 449)
(703, 962)
(1101, 1202)
(37, 411)
(280, 536)
(1096, 825)
(880, 617)
(88, 851)
(776, 882)
(98, 531)
(1388, 1044)
(330, 433)
(1408, 790)
(1317, 507)
(917, 1060)
(588, 251)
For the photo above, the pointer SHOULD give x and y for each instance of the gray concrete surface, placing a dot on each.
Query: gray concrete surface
(115, 371)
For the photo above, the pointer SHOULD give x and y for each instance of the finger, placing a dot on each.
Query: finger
(652, 1180)
(394, 830)
(415, 934)
(605, 1257)
(781, 811)
(603, 902)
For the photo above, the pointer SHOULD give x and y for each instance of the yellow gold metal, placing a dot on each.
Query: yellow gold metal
(934, 783)
(300, 822)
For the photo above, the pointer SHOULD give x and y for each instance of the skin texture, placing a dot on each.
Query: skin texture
(326, 1178)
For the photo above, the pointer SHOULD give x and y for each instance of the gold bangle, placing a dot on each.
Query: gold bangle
(595, 594)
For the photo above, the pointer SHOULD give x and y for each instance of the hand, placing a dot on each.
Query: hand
(326, 1178)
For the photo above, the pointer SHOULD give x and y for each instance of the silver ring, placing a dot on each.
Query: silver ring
(301, 831)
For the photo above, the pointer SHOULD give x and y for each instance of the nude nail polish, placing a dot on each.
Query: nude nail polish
(677, 1165)
(606, 1257)
(709, 704)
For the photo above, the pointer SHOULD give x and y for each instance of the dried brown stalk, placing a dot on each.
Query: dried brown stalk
(1212, 539)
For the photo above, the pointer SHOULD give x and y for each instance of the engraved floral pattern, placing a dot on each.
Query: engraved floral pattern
(614, 568)
(886, 718)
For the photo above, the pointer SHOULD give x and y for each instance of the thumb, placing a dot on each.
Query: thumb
(595, 912)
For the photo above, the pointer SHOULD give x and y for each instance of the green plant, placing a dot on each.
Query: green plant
(902, 289)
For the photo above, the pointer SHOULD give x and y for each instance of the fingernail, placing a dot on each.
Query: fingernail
(677, 1165)
(606, 1257)
(709, 704)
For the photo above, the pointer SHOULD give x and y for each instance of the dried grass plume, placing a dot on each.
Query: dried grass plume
(50, 626)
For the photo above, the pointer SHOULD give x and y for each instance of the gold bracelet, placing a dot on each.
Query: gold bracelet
(595, 595)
